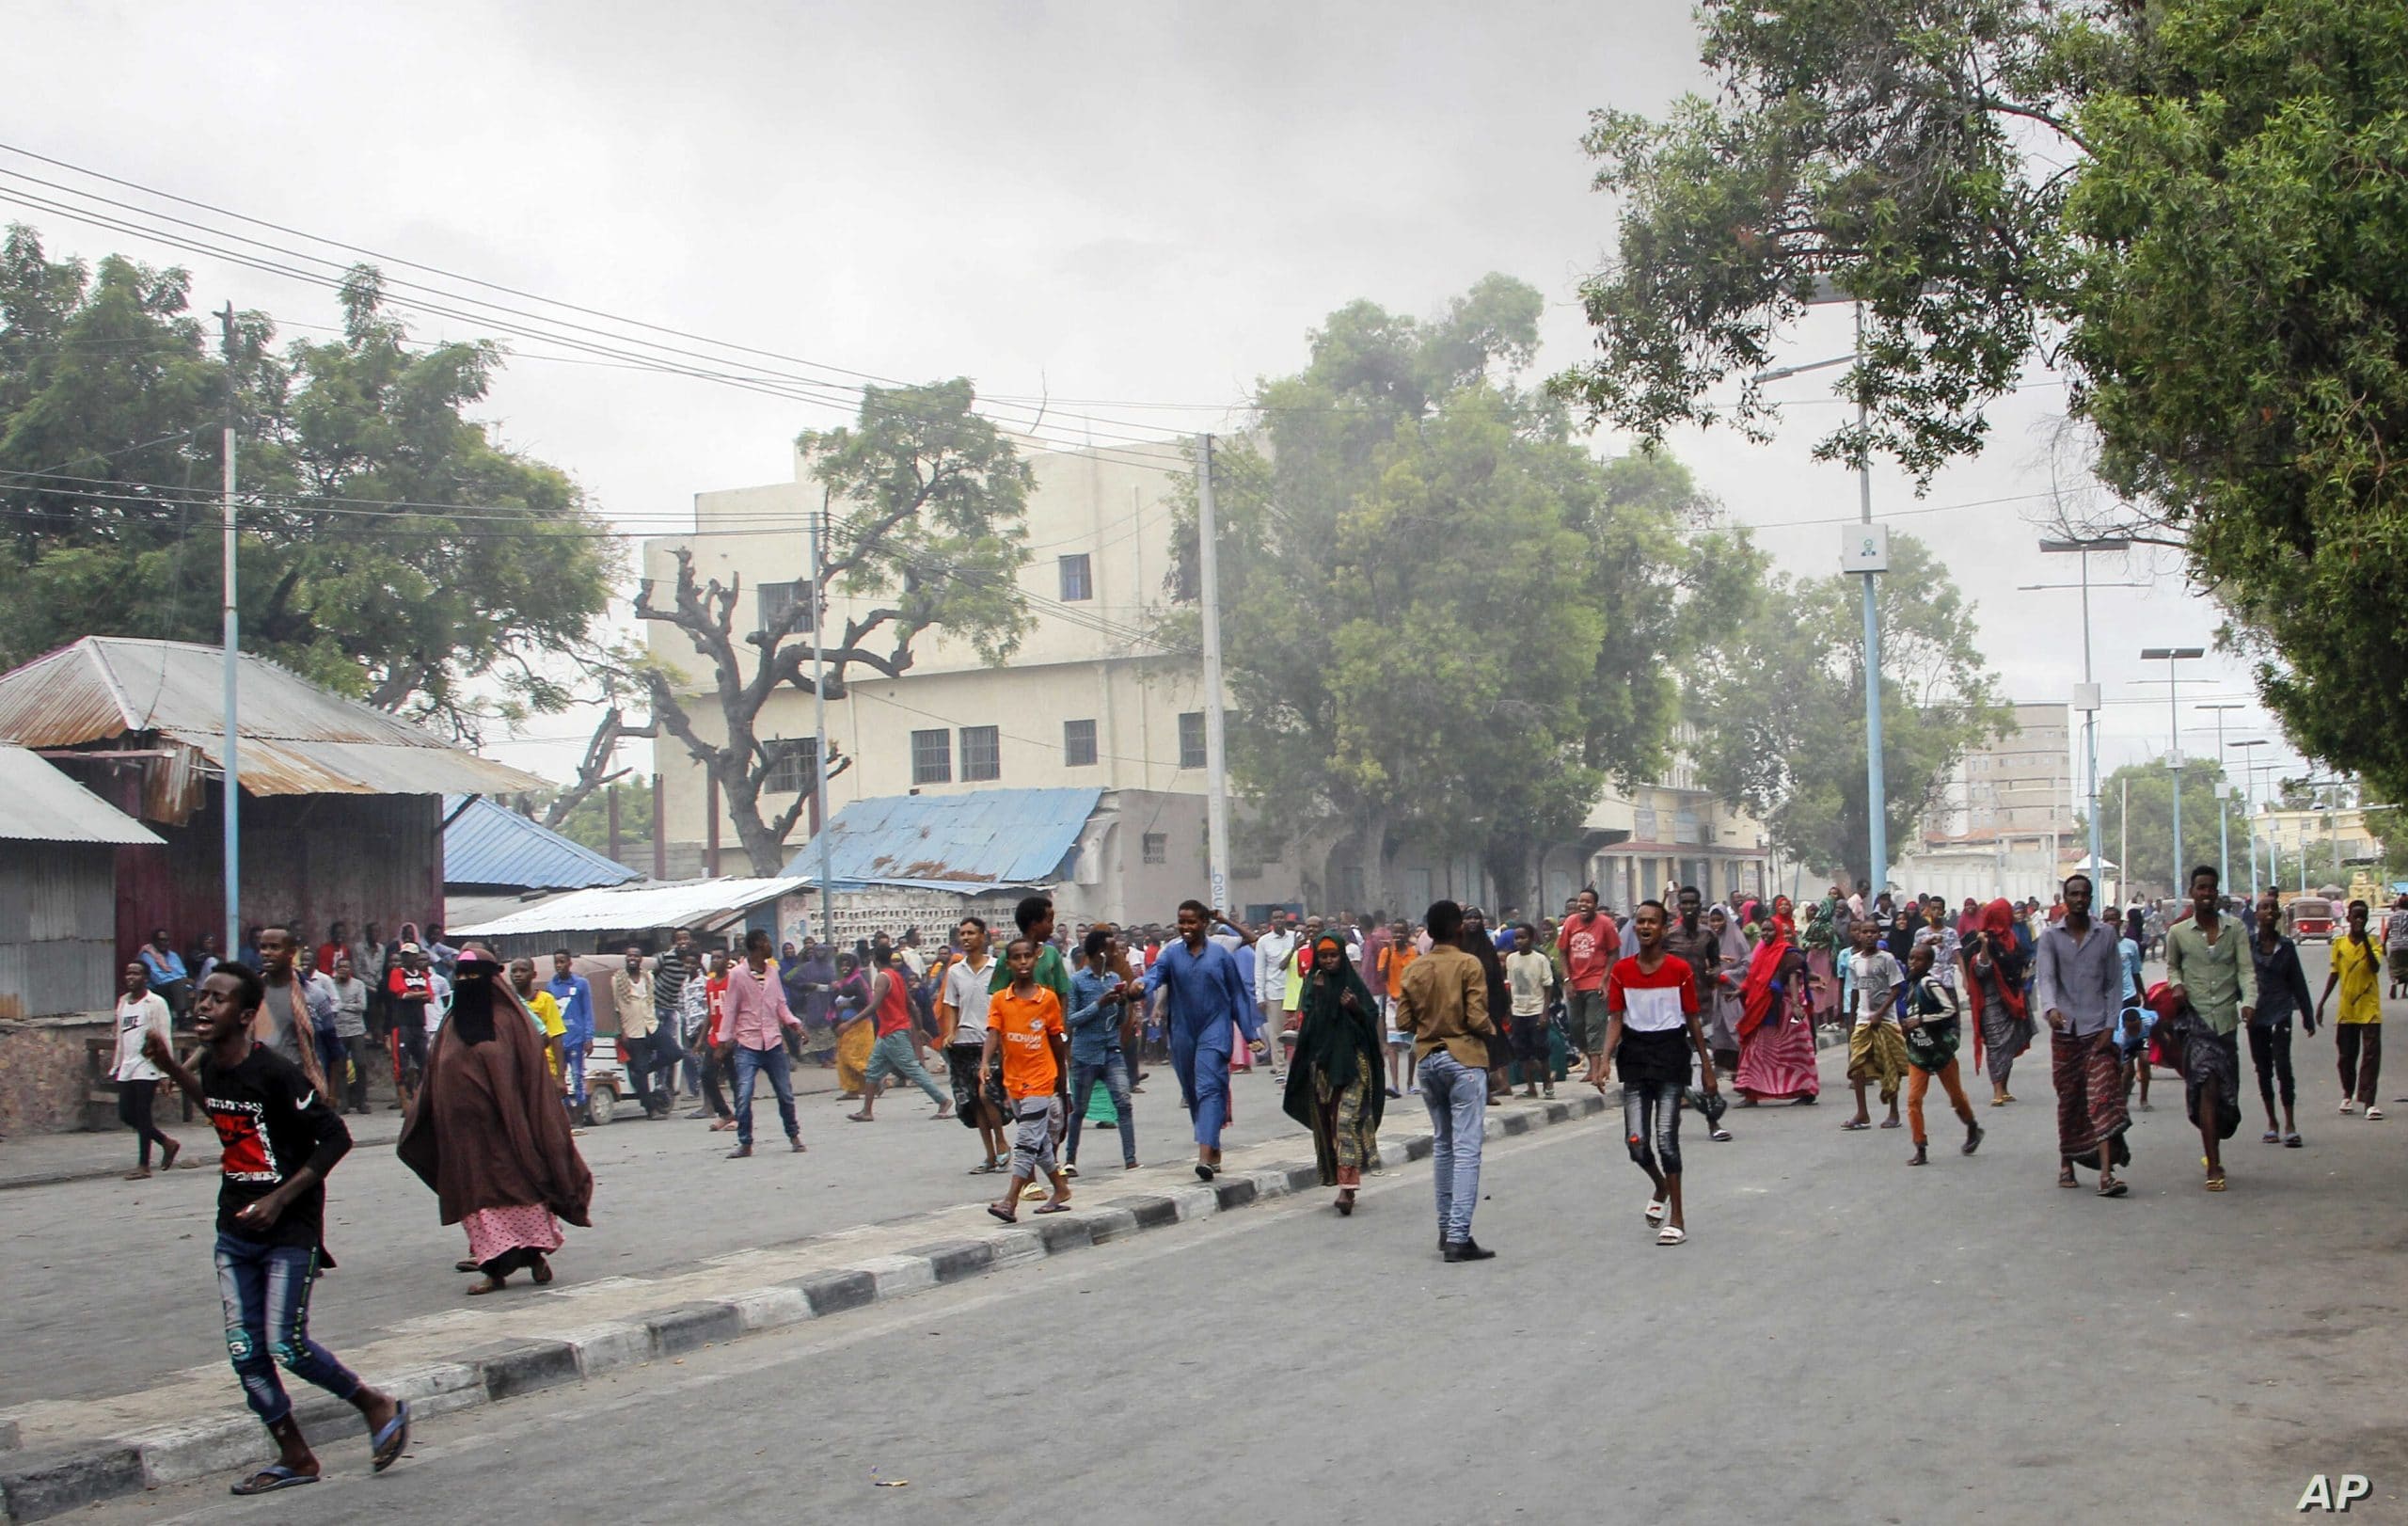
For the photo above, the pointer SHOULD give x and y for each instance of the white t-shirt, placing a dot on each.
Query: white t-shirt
(965, 991)
(1527, 974)
(1878, 976)
(138, 1016)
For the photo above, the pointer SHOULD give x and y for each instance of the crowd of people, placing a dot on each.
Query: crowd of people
(1039, 1032)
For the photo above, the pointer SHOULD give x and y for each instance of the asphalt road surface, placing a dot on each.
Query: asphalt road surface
(1842, 1339)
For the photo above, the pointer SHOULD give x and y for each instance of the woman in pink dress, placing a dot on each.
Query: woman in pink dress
(1777, 1022)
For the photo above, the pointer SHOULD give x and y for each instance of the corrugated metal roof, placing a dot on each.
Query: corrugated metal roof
(486, 843)
(978, 840)
(685, 903)
(296, 739)
(38, 803)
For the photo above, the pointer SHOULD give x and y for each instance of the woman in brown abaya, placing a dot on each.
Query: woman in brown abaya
(489, 1133)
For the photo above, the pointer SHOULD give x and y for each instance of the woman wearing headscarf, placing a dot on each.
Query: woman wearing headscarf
(1777, 1022)
(1998, 962)
(1336, 1087)
(489, 1133)
(1721, 989)
(856, 1027)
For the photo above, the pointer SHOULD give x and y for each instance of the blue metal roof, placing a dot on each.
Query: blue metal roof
(973, 841)
(489, 844)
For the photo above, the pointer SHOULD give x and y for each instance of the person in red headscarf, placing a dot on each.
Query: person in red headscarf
(1777, 1022)
(1998, 962)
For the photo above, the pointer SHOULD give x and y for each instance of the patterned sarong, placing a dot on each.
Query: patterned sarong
(1878, 1052)
(2091, 1111)
(2207, 1061)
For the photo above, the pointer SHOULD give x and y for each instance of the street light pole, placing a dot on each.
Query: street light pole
(2087, 700)
(2169, 656)
(1877, 798)
(2248, 796)
(2223, 830)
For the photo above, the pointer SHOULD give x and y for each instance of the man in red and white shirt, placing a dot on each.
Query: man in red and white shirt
(1589, 941)
(1651, 1029)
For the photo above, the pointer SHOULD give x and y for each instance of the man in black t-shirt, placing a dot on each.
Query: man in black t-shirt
(279, 1140)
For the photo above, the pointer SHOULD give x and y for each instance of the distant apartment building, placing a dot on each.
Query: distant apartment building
(1087, 701)
(2005, 821)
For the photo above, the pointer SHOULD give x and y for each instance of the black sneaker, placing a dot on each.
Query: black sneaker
(1468, 1250)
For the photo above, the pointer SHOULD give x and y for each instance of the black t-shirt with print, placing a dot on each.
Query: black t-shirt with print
(270, 1124)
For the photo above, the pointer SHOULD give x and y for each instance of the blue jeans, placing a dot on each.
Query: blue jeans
(1457, 1097)
(266, 1290)
(573, 1056)
(751, 1064)
(1114, 1073)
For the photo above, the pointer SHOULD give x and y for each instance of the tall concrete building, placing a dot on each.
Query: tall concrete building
(2005, 822)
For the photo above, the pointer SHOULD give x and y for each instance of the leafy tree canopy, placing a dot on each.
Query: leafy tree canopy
(2191, 207)
(389, 548)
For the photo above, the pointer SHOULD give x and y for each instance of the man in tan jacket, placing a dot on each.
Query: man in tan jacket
(1443, 1002)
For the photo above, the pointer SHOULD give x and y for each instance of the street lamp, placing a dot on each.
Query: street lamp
(1865, 550)
(2169, 656)
(2086, 699)
(2224, 833)
(2248, 817)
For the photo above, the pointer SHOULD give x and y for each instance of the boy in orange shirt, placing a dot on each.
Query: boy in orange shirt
(1398, 953)
(1024, 1021)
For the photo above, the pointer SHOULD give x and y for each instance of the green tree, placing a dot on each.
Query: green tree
(2150, 788)
(1781, 708)
(1444, 619)
(2188, 206)
(588, 821)
(925, 503)
(389, 548)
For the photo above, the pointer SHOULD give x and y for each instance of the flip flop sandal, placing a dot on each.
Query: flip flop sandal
(466, 1266)
(1008, 1219)
(2215, 1183)
(2113, 1189)
(1852, 1126)
(279, 1477)
(1668, 1235)
(1655, 1212)
(1055, 1208)
(1719, 1136)
(1890, 1124)
(2066, 1178)
(2291, 1141)
(388, 1443)
(2270, 1137)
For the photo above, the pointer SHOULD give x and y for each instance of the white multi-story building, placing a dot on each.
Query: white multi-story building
(1087, 700)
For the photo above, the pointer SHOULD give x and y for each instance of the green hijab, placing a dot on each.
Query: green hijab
(1334, 1041)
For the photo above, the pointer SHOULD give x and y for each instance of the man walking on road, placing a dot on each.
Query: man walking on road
(1271, 952)
(1444, 1005)
(961, 1007)
(2213, 982)
(897, 1051)
(2282, 994)
(2078, 983)
(1024, 1027)
(2357, 1029)
(751, 1031)
(1652, 1027)
(1206, 998)
(280, 1136)
(574, 995)
(631, 996)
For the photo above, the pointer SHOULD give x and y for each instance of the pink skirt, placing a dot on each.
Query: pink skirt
(497, 1231)
(1778, 1060)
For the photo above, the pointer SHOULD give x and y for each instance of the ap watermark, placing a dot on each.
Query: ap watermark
(2332, 1492)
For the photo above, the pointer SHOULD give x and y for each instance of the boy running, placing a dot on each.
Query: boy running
(280, 1139)
(1024, 1021)
(1876, 1049)
(1932, 1031)
(1651, 1029)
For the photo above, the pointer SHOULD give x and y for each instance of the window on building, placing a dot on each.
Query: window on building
(790, 764)
(1190, 739)
(778, 602)
(1078, 745)
(931, 758)
(1078, 576)
(982, 754)
(1157, 844)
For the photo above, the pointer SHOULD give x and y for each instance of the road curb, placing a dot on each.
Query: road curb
(37, 1487)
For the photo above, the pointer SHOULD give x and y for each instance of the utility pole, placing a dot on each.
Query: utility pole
(232, 769)
(2123, 843)
(2224, 813)
(820, 710)
(1216, 757)
(2169, 656)
(1876, 797)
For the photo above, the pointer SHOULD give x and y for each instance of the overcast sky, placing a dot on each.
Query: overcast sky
(1136, 204)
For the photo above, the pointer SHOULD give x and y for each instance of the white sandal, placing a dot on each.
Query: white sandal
(1655, 1212)
(1668, 1235)
(2374, 1113)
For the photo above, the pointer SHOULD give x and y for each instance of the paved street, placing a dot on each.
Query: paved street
(1842, 1338)
(663, 1197)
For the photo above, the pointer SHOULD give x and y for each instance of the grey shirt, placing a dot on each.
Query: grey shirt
(319, 993)
(2083, 978)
